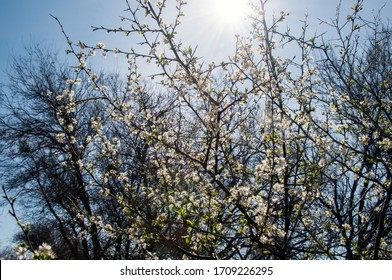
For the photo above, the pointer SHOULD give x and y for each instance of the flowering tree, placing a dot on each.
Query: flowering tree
(257, 157)
(230, 180)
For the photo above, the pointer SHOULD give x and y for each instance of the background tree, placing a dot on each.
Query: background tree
(46, 127)
(355, 70)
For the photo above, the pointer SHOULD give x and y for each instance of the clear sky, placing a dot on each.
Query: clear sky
(23, 22)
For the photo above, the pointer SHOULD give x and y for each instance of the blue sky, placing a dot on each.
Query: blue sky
(23, 22)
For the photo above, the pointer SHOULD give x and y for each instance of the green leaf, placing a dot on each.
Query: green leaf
(190, 223)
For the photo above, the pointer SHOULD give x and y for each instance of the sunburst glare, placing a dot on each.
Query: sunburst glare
(231, 11)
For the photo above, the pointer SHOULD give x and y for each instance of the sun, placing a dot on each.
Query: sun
(230, 11)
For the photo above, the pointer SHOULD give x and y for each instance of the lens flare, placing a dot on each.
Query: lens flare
(231, 11)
